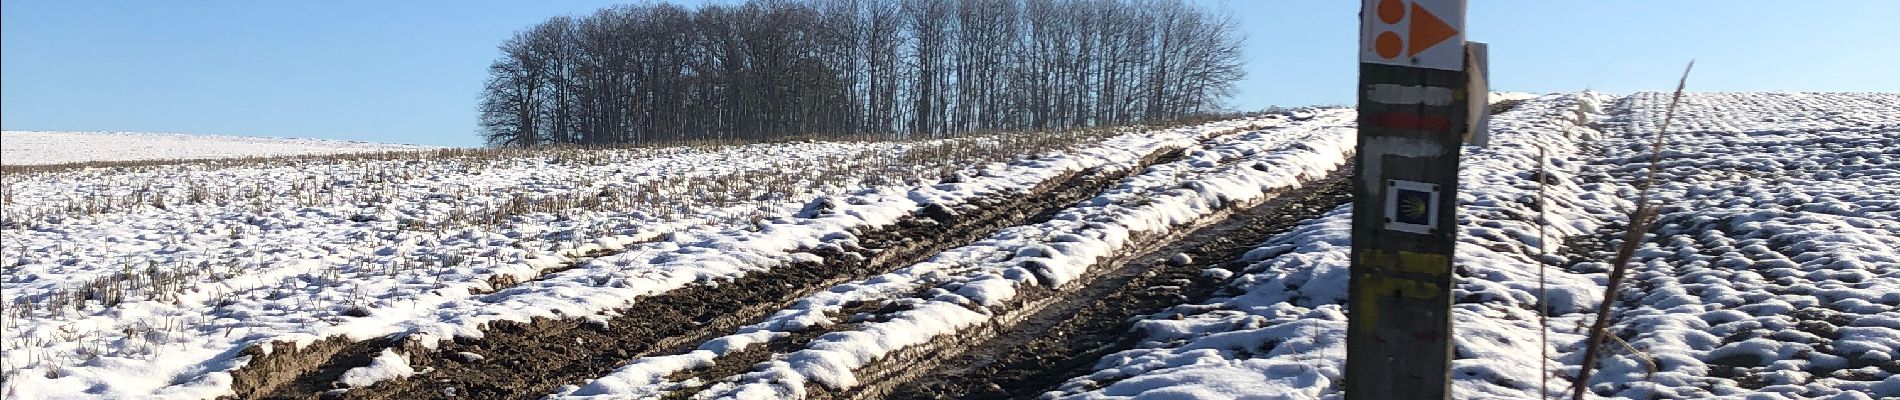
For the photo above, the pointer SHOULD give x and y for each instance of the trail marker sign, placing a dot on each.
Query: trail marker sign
(1415, 106)
(1413, 33)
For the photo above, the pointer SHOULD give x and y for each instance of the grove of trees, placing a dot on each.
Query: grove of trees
(660, 72)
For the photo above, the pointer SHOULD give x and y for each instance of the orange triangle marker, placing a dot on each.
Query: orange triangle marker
(1427, 30)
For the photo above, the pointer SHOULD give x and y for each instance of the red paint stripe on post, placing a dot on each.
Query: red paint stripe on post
(1406, 120)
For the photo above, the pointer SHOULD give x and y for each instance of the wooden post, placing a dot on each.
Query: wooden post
(1414, 111)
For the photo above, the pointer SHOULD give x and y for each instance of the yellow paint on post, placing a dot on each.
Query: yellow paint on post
(1406, 261)
(1387, 286)
(1378, 287)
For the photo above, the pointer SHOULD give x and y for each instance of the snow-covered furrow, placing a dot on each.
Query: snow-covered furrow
(1775, 267)
(1279, 328)
(965, 288)
(845, 238)
(811, 312)
(614, 291)
(197, 281)
(609, 282)
(187, 216)
(370, 245)
(1094, 319)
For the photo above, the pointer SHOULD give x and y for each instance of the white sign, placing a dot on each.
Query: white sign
(1411, 206)
(1413, 33)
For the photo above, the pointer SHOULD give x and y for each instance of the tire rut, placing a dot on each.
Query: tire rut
(283, 367)
(1065, 337)
(530, 359)
(689, 381)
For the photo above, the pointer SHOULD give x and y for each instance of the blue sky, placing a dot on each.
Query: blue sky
(409, 71)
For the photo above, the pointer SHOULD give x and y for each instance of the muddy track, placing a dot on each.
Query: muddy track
(289, 368)
(528, 360)
(1044, 336)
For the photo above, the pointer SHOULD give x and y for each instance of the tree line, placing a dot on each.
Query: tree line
(660, 72)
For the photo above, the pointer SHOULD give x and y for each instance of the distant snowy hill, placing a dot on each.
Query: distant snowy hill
(43, 147)
(1513, 96)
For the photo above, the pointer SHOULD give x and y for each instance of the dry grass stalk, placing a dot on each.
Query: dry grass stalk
(1543, 296)
(1633, 234)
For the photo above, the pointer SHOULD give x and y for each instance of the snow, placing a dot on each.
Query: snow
(1283, 321)
(1180, 259)
(385, 366)
(52, 147)
(1512, 96)
(612, 282)
(961, 288)
(1777, 267)
(1772, 272)
(371, 248)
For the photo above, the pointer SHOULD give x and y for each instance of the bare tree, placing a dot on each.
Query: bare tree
(659, 72)
(510, 104)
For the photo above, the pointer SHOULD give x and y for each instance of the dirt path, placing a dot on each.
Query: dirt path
(1045, 336)
(528, 360)
(1042, 335)
(1066, 337)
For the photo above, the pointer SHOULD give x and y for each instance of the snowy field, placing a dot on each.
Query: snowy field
(959, 289)
(44, 147)
(1777, 263)
(1773, 271)
(153, 281)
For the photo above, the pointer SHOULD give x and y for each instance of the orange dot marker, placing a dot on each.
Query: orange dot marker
(1391, 11)
(1388, 44)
